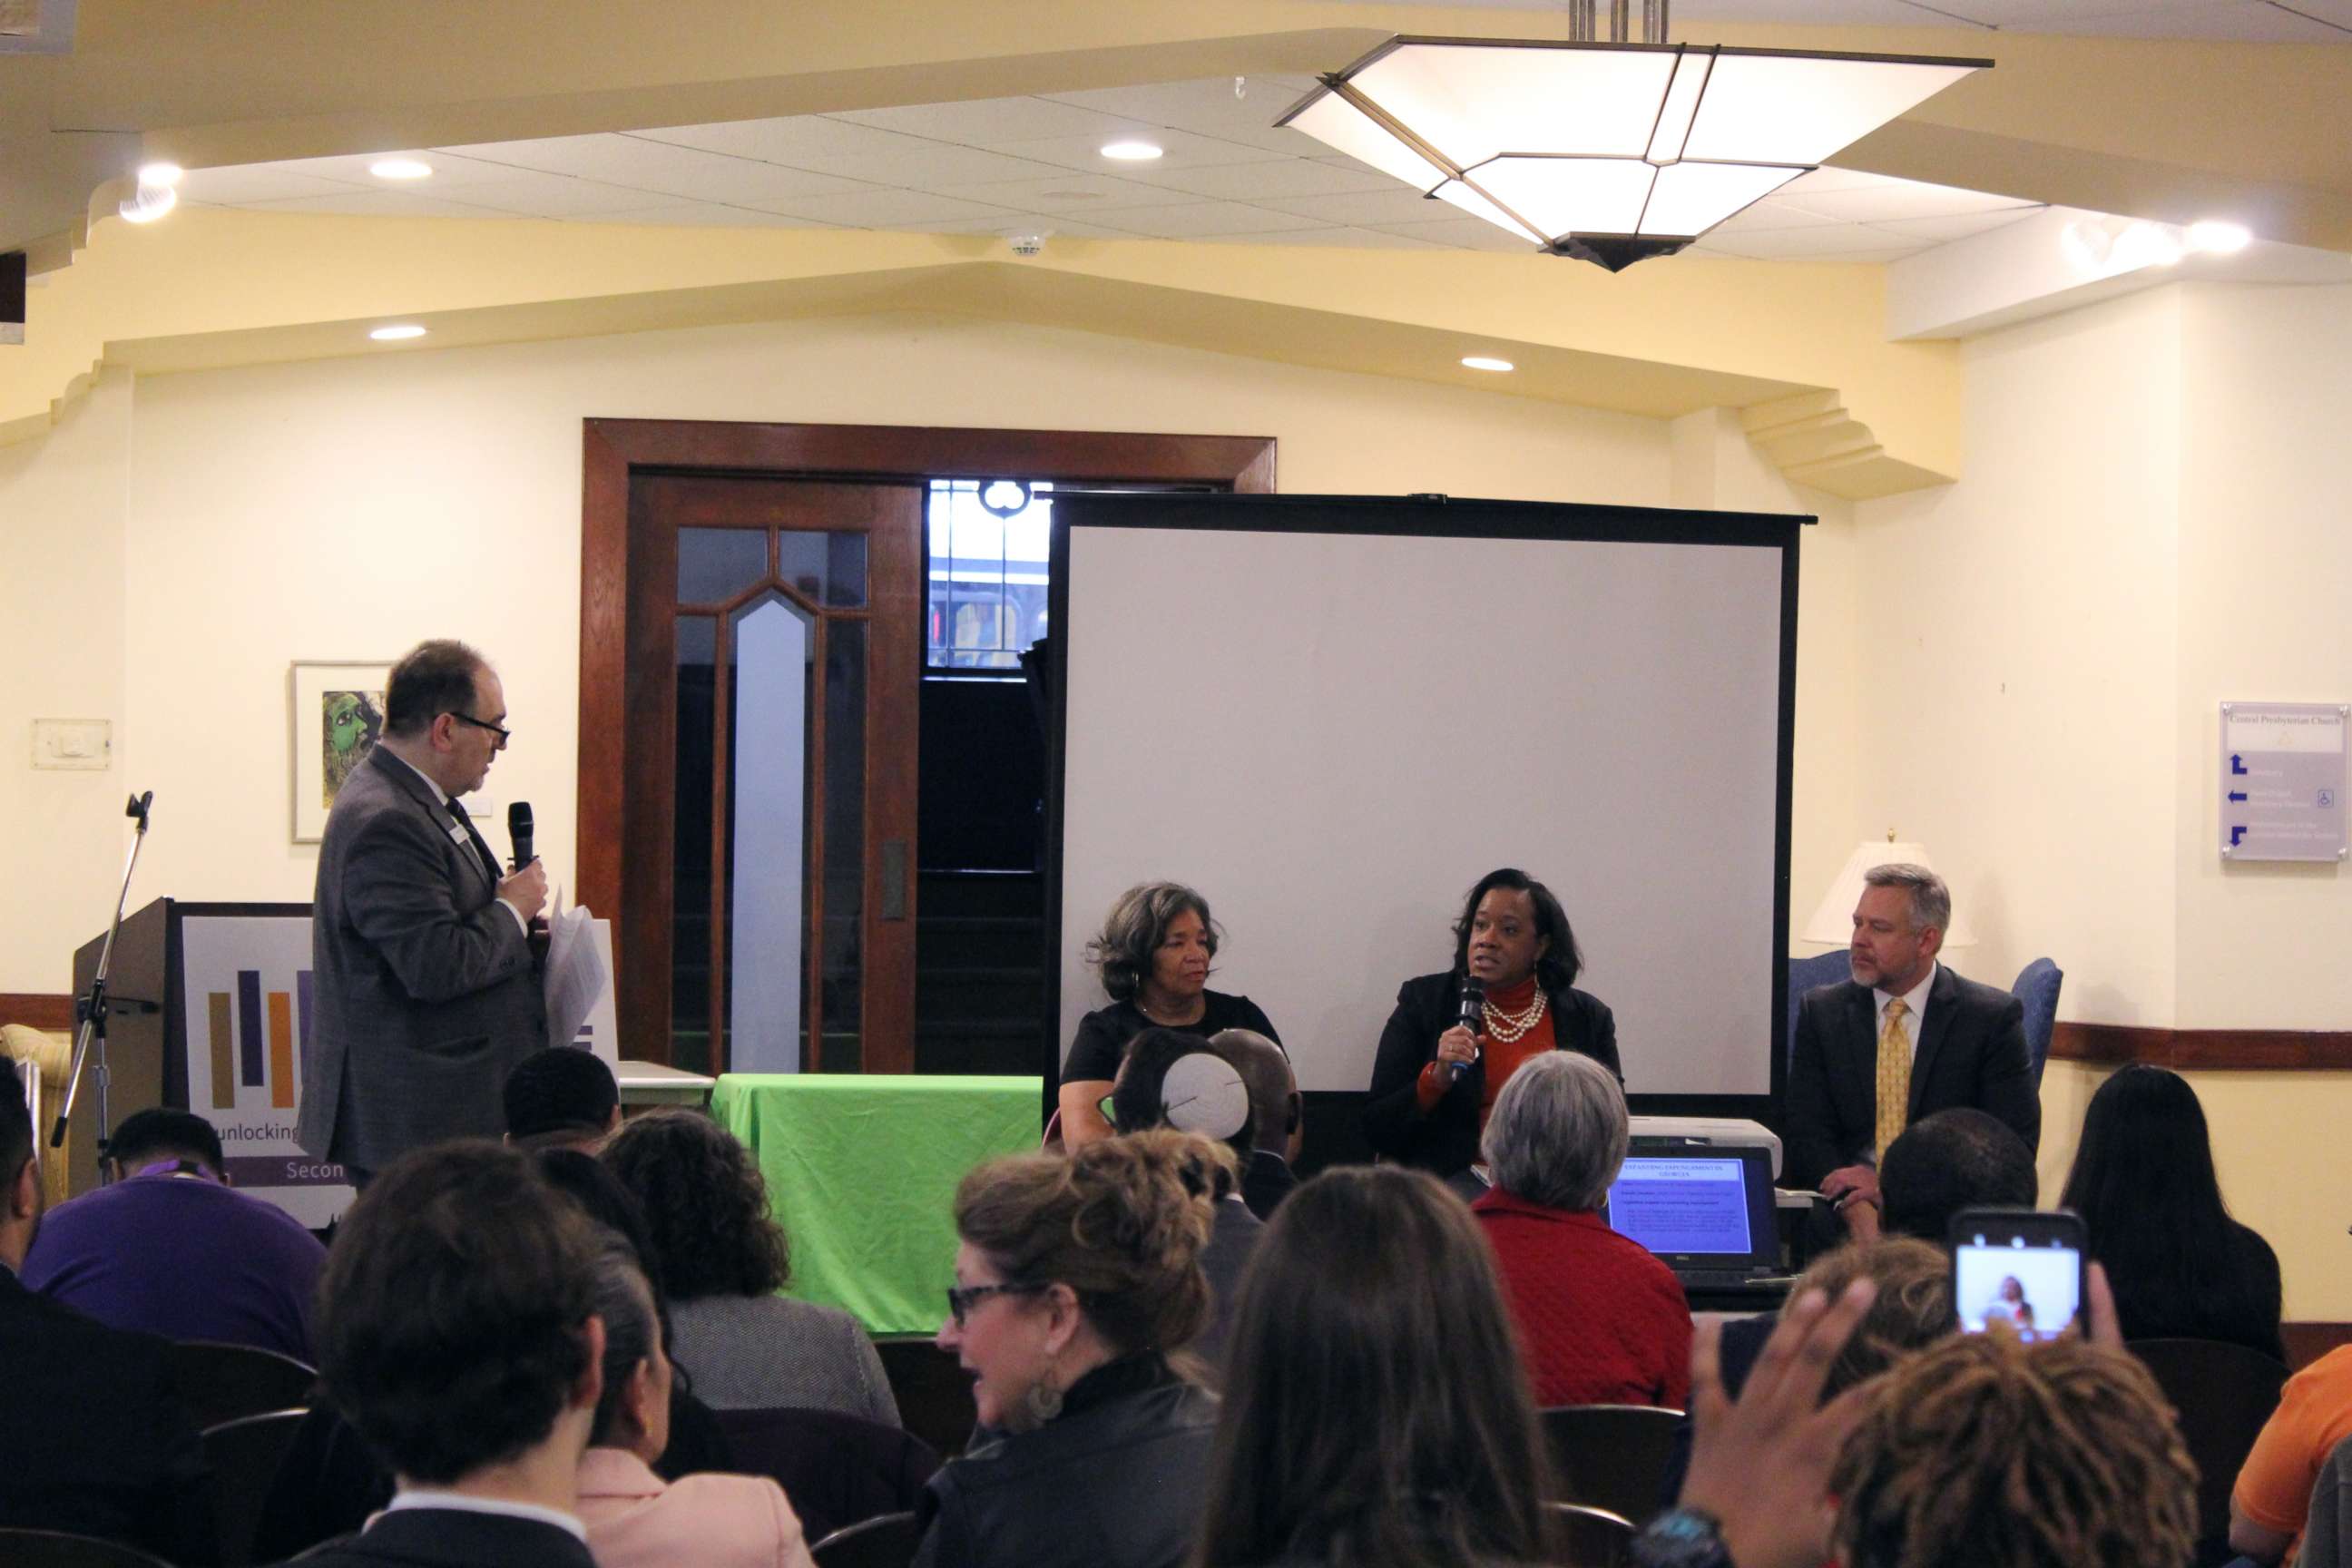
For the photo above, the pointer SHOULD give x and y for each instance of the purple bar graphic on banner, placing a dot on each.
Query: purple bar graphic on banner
(248, 1029)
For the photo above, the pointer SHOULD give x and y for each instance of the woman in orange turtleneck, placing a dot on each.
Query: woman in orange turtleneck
(1435, 1079)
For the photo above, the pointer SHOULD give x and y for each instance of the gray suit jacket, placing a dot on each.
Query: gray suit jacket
(1971, 1052)
(425, 991)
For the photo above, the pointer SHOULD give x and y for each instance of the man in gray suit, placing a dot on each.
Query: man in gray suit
(426, 993)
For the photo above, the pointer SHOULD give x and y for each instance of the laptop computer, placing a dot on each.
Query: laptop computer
(1705, 1210)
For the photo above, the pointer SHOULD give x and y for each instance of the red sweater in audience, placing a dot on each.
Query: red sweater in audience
(1603, 1323)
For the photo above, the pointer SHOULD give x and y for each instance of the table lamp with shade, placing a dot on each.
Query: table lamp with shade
(1831, 922)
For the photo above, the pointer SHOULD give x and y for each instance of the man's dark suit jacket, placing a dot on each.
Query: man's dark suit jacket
(93, 1439)
(425, 992)
(1971, 1052)
(452, 1538)
(1446, 1139)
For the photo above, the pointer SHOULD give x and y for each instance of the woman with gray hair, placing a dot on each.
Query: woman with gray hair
(1602, 1321)
(1153, 954)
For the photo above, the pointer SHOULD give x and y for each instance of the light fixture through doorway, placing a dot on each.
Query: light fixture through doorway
(1610, 152)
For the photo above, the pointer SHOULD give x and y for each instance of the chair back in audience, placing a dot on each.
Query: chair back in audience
(53, 1549)
(2037, 989)
(1612, 1457)
(838, 1470)
(1590, 1537)
(2328, 1531)
(243, 1457)
(220, 1383)
(888, 1541)
(933, 1393)
(2222, 1393)
(1807, 974)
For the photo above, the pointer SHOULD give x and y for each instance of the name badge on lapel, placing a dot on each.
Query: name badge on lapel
(458, 836)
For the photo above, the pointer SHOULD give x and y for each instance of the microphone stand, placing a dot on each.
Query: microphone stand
(91, 1008)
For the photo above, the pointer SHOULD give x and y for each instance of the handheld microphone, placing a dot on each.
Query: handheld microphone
(518, 829)
(1474, 1015)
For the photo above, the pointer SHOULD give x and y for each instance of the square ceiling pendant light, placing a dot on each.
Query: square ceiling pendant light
(1610, 152)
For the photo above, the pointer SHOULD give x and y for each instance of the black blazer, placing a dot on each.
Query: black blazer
(93, 1438)
(1971, 1052)
(452, 1538)
(1446, 1139)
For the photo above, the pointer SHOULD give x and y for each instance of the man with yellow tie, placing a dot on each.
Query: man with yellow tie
(1904, 1038)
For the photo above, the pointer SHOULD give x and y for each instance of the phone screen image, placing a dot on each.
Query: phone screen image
(2032, 1287)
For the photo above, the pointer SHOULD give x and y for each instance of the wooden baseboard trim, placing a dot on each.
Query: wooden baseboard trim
(2235, 1050)
(2306, 1342)
(37, 1011)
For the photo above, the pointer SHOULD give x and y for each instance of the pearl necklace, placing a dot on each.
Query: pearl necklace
(1506, 1028)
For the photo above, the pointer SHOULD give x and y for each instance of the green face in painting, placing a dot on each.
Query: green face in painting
(348, 716)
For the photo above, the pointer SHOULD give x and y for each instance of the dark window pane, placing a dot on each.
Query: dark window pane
(690, 849)
(826, 568)
(845, 843)
(714, 564)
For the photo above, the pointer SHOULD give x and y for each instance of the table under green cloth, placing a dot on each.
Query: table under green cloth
(862, 1171)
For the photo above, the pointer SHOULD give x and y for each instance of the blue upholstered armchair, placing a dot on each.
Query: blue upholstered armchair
(2037, 988)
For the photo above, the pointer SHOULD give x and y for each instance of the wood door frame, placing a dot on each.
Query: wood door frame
(607, 843)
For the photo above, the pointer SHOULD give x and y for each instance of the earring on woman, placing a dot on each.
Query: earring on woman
(1043, 1399)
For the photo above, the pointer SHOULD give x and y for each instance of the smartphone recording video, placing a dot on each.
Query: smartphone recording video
(2022, 1269)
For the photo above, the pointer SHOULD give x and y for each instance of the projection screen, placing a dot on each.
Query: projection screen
(1333, 715)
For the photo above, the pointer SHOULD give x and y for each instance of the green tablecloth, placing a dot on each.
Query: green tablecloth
(861, 1173)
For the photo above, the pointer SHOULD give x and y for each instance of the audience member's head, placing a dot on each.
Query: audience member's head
(1558, 1131)
(1070, 1261)
(1986, 1451)
(1955, 1160)
(1275, 1110)
(1135, 929)
(20, 1171)
(1375, 1410)
(1167, 1079)
(2146, 1160)
(706, 1203)
(1912, 1310)
(561, 1097)
(150, 1137)
(457, 1324)
(633, 1411)
(602, 1195)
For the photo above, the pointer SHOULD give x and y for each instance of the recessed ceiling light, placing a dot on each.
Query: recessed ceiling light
(399, 169)
(394, 334)
(159, 175)
(155, 196)
(1132, 152)
(2218, 237)
(1486, 362)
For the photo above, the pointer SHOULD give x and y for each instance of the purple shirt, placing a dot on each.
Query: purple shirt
(182, 1256)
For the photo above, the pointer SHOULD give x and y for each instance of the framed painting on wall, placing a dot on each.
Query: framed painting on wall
(338, 716)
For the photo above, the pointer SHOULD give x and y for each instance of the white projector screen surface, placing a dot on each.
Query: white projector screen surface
(1332, 736)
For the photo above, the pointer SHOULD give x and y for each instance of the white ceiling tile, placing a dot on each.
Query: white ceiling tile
(1074, 194)
(664, 168)
(1769, 214)
(989, 121)
(700, 215)
(1464, 234)
(378, 203)
(1178, 149)
(1285, 177)
(1828, 179)
(1207, 220)
(240, 183)
(2337, 12)
(1046, 224)
(1826, 12)
(1209, 108)
(939, 166)
(880, 209)
(803, 141)
(1841, 242)
(1399, 204)
(450, 170)
(1345, 238)
(1940, 229)
(1884, 204)
(536, 194)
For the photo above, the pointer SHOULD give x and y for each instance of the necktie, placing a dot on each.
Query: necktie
(490, 861)
(1893, 1076)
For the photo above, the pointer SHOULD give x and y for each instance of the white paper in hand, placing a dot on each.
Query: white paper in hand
(577, 976)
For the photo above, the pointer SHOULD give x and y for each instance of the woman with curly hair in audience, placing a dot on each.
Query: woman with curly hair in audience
(1375, 1412)
(721, 1257)
(1076, 1278)
(2144, 1183)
